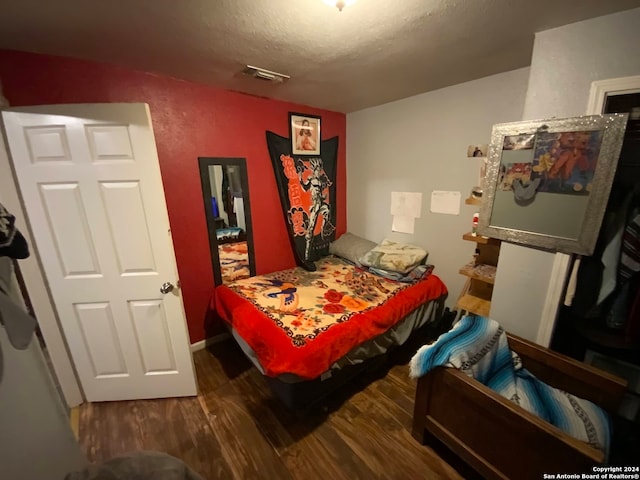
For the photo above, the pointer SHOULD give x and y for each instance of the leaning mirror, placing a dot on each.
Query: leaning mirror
(226, 202)
(548, 182)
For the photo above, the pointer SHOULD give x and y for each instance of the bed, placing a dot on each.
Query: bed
(502, 437)
(308, 332)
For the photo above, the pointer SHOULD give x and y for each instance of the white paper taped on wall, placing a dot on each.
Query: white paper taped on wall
(406, 204)
(445, 202)
(403, 224)
(405, 208)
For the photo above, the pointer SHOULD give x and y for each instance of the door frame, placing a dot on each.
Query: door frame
(560, 272)
(36, 284)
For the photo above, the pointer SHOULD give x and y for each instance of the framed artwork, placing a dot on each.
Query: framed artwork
(548, 182)
(304, 131)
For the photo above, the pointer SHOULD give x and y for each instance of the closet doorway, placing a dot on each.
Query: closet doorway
(599, 322)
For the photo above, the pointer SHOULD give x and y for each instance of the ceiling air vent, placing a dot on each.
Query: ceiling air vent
(262, 74)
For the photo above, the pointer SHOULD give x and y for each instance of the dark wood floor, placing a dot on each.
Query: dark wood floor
(235, 429)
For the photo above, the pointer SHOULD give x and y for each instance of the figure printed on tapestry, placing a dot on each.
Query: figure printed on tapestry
(308, 191)
(307, 188)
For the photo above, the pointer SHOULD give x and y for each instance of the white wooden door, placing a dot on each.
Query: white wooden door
(90, 180)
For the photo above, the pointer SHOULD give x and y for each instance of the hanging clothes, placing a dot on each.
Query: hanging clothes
(18, 323)
(628, 266)
(12, 243)
(630, 256)
(597, 277)
(632, 325)
(611, 254)
(238, 208)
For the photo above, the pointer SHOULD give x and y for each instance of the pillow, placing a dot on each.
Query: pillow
(394, 256)
(351, 247)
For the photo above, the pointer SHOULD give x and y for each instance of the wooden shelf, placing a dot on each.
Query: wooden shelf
(473, 304)
(476, 295)
(480, 239)
(482, 272)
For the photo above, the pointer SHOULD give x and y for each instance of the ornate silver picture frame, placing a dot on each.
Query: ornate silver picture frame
(548, 182)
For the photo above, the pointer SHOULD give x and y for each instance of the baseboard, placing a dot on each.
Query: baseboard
(202, 344)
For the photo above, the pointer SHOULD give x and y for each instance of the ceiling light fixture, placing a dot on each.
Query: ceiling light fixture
(339, 4)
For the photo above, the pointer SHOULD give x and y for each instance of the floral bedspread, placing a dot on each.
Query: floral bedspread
(306, 303)
(301, 322)
(234, 261)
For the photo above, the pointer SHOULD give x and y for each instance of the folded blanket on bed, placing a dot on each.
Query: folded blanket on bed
(415, 275)
(478, 346)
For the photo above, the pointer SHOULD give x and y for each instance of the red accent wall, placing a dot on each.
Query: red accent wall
(189, 120)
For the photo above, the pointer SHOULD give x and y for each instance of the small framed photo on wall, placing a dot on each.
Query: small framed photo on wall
(305, 134)
(477, 150)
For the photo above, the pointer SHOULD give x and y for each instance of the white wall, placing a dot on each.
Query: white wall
(564, 63)
(419, 144)
(567, 59)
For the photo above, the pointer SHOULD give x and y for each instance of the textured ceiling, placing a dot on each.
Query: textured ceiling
(372, 52)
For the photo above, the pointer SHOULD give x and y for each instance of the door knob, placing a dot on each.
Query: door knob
(166, 287)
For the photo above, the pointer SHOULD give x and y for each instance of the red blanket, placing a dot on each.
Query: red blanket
(364, 305)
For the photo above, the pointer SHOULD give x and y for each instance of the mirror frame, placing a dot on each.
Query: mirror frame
(204, 164)
(613, 128)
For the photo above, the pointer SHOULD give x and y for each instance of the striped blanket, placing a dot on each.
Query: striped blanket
(478, 346)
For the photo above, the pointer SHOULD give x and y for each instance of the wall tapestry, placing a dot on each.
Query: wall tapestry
(307, 187)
